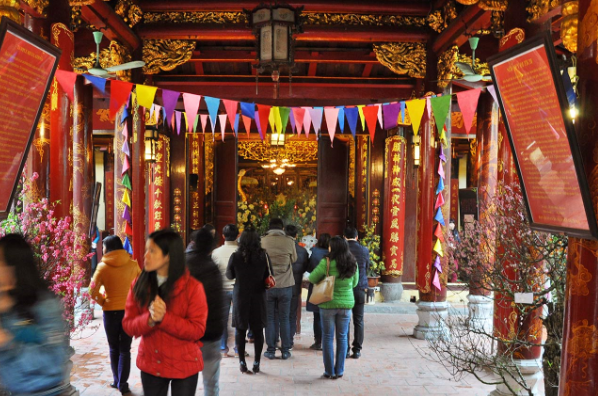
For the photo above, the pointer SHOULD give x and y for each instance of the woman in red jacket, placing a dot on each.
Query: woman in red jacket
(167, 308)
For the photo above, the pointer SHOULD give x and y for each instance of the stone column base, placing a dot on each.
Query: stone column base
(481, 310)
(391, 291)
(431, 320)
(531, 371)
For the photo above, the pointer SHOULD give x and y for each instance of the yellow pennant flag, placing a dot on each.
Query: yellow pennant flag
(438, 248)
(416, 111)
(272, 117)
(361, 116)
(126, 199)
(145, 95)
(186, 121)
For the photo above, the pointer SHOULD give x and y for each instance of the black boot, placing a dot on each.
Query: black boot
(256, 367)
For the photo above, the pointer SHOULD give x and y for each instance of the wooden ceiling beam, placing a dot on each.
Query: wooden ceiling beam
(313, 66)
(102, 16)
(472, 19)
(337, 34)
(234, 56)
(337, 6)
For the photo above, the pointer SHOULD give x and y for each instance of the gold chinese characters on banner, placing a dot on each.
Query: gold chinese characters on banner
(159, 180)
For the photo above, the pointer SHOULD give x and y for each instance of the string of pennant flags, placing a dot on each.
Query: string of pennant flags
(302, 119)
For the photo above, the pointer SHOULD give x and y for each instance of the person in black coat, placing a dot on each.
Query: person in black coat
(249, 267)
(299, 268)
(317, 254)
(202, 267)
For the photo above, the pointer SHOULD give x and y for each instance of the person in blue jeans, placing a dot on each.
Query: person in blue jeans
(336, 314)
(318, 252)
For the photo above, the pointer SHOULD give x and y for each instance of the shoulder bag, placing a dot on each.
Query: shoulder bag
(270, 282)
(323, 291)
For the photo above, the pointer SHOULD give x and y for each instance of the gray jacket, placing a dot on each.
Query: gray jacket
(282, 252)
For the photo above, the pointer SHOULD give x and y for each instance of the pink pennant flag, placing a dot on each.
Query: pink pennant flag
(441, 169)
(247, 123)
(439, 201)
(126, 149)
(299, 114)
(125, 131)
(492, 91)
(436, 281)
(315, 114)
(177, 115)
(231, 107)
(437, 264)
(306, 121)
(67, 80)
(331, 114)
(191, 103)
(126, 166)
(468, 103)
(222, 118)
(380, 115)
(204, 122)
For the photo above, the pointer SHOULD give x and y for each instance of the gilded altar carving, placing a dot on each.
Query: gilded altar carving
(115, 54)
(447, 70)
(10, 9)
(517, 33)
(293, 151)
(493, 5)
(129, 12)
(215, 17)
(537, 8)
(439, 20)
(38, 5)
(80, 3)
(209, 164)
(578, 282)
(165, 54)
(589, 33)
(569, 25)
(582, 345)
(403, 58)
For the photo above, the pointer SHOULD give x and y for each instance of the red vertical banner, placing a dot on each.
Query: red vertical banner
(158, 191)
(455, 200)
(109, 191)
(121, 133)
(393, 231)
(195, 146)
(361, 181)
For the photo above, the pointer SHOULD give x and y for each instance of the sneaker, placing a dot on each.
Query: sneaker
(269, 355)
(286, 355)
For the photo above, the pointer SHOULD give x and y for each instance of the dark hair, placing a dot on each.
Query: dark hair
(291, 230)
(192, 236)
(112, 242)
(275, 224)
(230, 232)
(29, 284)
(323, 241)
(250, 245)
(350, 232)
(204, 243)
(209, 226)
(345, 261)
(146, 287)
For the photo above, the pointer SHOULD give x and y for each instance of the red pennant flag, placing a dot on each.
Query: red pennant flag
(231, 107)
(119, 93)
(299, 114)
(264, 112)
(439, 201)
(371, 118)
(438, 231)
(128, 229)
(468, 102)
(247, 123)
(67, 79)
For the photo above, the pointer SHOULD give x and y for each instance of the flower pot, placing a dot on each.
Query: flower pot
(373, 281)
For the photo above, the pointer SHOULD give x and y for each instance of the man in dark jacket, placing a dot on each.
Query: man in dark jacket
(299, 268)
(362, 255)
(203, 269)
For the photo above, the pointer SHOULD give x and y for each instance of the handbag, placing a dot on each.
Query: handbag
(270, 282)
(323, 291)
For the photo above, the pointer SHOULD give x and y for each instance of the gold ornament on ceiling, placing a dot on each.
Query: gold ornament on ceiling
(165, 54)
(129, 12)
(403, 58)
(10, 9)
(570, 24)
(215, 17)
(447, 70)
(538, 8)
(292, 151)
(493, 5)
(38, 5)
(116, 54)
(439, 20)
(80, 3)
(362, 20)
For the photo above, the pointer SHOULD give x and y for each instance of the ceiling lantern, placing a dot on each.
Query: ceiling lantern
(274, 26)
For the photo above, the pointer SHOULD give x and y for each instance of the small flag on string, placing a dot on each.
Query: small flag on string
(126, 199)
(436, 281)
(126, 165)
(440, 169)
(437, 264)
(127, 214)
(439, 218)
(440, 185)
(248, 109)
(191, 103)
(416, 109)
(222, 119)
(213, 104)
(127, 245)
(331, 114)
(264, 112)
(97, 82)
(145, 95)
(352, 114)
(341, 118)
(126, 149)
(231, 107)
(439, 201)
(247, 123)
(306, 121)
(67, 80)
(438, 231)
(128, 229)
(391, 115)
(492, 91)
(169, 100)
(299, 115)
(468, 103)
(126, 181)
(371, 113)
(438, 248)
(316, 118)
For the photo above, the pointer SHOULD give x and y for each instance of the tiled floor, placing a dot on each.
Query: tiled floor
(390, 365)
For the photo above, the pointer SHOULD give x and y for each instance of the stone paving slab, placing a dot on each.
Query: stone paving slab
(390, 365)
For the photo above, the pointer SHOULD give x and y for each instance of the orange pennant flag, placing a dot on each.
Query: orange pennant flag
(231, 107)
(264, 112)
(438, 231)
(371, 118)
(247, 123)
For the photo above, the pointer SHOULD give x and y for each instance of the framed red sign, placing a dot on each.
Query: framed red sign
(543, 140)
(27, 65)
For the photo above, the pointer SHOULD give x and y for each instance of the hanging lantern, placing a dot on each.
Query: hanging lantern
(274, 26)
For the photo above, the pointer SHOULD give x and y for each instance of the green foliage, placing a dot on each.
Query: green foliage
(371, 240)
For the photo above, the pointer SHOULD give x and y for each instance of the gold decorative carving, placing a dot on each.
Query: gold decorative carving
(589, 33)
(303, 151)
(80, 3)
(518, 33)
(569, 25)
(209, 164)
(10, 9)
(578, 282)
(39, 146)
(115, 54)
(403, 58)
(446, 66)
(581, 346)
(37, 5)
(537, 8)
(219, 18)
(467, 2)
(129, 12)
(493, 5)
(165, 54)
(439, 20)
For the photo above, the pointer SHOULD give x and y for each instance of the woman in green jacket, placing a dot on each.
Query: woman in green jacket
(336, 314)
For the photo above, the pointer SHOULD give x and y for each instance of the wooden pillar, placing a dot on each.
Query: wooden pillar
(61, 133)
(138, 177)
(411, 216)
(579, 358)
(376, 179)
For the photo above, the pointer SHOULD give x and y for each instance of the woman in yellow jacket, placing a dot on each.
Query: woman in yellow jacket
(116, 272)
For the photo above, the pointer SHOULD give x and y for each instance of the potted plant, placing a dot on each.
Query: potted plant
(371, 241)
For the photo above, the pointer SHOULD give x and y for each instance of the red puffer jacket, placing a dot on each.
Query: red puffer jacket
(171, 349)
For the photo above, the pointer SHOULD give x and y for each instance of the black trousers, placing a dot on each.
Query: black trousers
(358, 323)
(120, 348)
(158, 386)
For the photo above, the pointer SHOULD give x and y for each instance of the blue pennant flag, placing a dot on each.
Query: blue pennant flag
(402, 112)
(127, 246)
(341, 118)
(97, 82)
(248, 110)
(352, 114)
(125, 115)
(236, 128)
(213, 104)
(439, 217)
(440, 186)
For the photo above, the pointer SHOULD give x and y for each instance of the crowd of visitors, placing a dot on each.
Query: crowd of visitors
(179, 307)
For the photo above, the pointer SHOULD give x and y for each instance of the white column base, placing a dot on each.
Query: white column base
(431, 320)
(481, 313)
(531, 371)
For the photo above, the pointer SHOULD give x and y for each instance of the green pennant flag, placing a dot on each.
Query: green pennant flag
(284, 118)
(195, 123)
(126, 181)
(440, 108)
